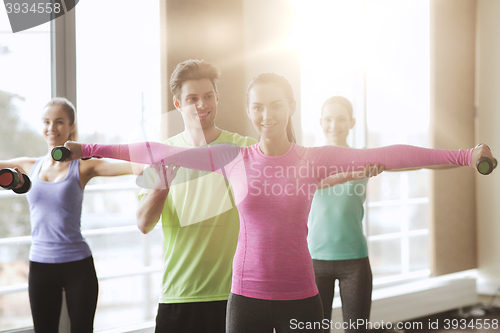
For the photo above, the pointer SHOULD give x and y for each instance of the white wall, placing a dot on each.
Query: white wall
(488, 131)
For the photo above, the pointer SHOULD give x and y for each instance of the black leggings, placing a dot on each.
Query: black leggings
(355, 282)
(46, 283)
(252, 315)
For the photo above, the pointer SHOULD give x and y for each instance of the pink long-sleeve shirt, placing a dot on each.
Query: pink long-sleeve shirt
(273, 195)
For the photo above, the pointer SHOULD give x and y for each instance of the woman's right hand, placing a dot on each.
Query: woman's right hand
(21, 178)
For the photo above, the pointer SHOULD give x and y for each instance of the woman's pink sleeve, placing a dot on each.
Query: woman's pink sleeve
(343, 159)
(207, 158)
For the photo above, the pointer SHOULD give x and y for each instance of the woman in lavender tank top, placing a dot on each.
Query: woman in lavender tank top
(59, 256)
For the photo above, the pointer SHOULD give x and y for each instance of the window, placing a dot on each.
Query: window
(21, 101)
(376, 53)
(397, 108)
(117, 76)
(118, 93)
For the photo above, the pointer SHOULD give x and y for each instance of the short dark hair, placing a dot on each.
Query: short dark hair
(342, 101)
(193, 69)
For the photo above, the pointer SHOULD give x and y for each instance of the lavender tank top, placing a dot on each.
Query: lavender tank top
(55, 213)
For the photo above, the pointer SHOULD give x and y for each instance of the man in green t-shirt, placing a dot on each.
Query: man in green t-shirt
(200, 224)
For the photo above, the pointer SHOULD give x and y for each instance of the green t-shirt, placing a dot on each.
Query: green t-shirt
(335, 222)
(200, 232)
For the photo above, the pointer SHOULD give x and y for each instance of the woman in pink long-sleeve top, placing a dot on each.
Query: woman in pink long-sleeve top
(274, 182)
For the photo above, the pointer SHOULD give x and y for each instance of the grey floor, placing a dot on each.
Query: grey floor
(467, 320)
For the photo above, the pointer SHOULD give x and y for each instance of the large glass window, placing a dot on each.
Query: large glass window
(25, 87)
(397, 108)
(376, 53)
(118, 93)
(331, 38)
(118, 100)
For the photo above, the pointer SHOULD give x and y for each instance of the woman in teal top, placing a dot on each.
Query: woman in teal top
(336, 241)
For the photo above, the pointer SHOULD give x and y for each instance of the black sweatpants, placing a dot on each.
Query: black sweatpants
(195, 317)
(46, 283)
(355, 282)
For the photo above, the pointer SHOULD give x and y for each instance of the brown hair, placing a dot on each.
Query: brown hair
(281, 81)
(342, 101)
(69, 108)
(192, 70)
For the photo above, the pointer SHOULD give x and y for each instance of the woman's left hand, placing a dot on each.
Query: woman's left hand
(481, 151)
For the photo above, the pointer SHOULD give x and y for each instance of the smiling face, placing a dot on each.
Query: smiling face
(269, 110)
(56, 125)
(336, 122)
(198, 103)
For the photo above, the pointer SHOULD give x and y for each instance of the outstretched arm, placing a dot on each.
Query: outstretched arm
(108, 169)
(25, 164)
(396, 157)
(433, 167)
(481, 151)
(207, 158)
(98, 168)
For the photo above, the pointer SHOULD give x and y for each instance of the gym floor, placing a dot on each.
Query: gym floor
(468, 320)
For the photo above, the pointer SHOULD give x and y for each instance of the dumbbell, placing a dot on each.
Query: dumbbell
(9, 179)
(485, 165)
(61, 154)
